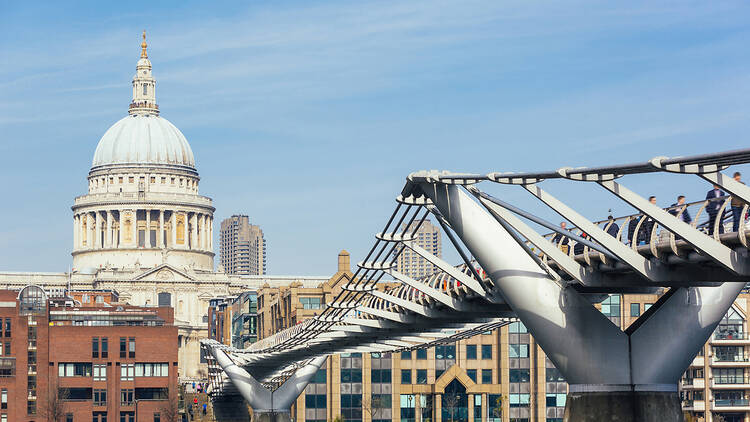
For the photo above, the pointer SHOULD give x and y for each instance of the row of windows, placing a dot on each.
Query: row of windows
(99, 417)
(471, 351)
(99, 371)
(142, 179)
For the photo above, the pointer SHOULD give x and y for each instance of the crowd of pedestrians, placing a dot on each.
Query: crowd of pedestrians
(644, 224)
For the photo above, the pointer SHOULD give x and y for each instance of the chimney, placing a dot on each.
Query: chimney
(344, 263)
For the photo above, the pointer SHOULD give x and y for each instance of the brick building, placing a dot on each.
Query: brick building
(98, 361)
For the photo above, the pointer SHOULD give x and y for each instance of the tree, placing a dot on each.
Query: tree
(54, 409)
(451, 401)
(170, 410)
(497, 410)
(373, 406)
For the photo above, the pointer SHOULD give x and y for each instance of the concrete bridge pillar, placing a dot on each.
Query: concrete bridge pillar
(614, 375)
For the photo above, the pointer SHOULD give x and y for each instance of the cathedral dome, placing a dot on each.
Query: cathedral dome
(143, 139)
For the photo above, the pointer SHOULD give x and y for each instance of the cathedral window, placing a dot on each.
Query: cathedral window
(145, 89)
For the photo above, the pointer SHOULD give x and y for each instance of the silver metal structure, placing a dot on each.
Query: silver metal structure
(552, 289)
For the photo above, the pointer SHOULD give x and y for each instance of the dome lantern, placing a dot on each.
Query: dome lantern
(144, 86)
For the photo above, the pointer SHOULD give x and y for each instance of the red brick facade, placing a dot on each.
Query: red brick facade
(77, 377)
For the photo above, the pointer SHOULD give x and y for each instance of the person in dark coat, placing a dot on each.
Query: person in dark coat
(678, 206)
(644, 234)
(612, 228)
(578, 248)
(712, 208)
(560, 239)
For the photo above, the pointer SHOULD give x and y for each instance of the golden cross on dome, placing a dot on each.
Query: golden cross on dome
(144, 55)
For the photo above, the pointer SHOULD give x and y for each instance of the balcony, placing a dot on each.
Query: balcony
(694, 405)
(730, 360)
(731, 336)
(738, 382)
(731, 404)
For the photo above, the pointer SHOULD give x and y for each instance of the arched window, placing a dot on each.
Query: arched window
(33, 300)
(165, 299)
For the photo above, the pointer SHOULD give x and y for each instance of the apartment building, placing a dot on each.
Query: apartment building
(70, 361)
(426, 236)
(242, 246)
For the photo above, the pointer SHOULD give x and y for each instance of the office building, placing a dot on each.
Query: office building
(64, 360)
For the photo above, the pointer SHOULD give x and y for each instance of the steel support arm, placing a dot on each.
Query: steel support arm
(583, 343)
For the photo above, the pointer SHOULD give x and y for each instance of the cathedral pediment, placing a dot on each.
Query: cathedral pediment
(164, 272)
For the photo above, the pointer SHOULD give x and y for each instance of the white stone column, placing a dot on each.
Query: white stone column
(193, 231)
(147, 241)
(75, 231)
(202, 233)
(211, 233)
(90, 223)
(173, 227)
(108, 234)
(98, 229)
(135, 227)
(122, 229)
(160, 236)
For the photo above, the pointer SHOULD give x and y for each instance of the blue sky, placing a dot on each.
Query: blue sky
(309, 115)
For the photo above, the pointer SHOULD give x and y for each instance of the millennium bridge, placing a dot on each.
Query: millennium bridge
(518, 266)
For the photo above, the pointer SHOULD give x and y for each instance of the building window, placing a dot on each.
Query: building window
(78, 369)
(647, 306)
(126, 397)
(100, 397)
(4, 418)
(4, 398)
(31, 407)
(165, 299)
(99, 417)
(123, 347)
(151, 369)
(310, 302)
(421, 354)
(100, 372)
(471, 351)
(131, 347)
(486, 376)
(421, 376)
(127, 416)
(105, 347)
(157, 417)
(7, 348)
(127, 372)
(518, 350)
(635, 309)
(477, 407)
(95, 347)
(472, 373)
(406, 355)
(406, 376)
(518, 375)
(7, 327)
(486, 351)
